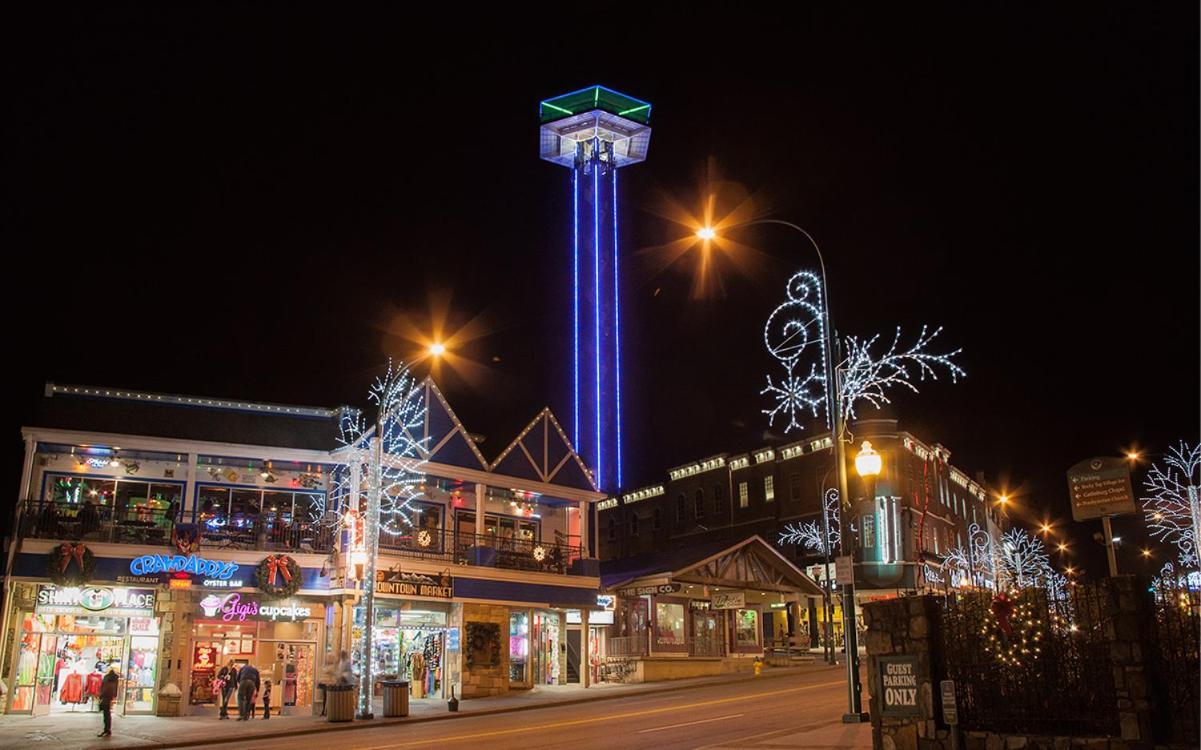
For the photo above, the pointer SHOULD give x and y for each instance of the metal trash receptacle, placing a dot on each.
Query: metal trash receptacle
(396, 697)
(339, 702)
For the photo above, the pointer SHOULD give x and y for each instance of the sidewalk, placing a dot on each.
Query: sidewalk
(78, 731)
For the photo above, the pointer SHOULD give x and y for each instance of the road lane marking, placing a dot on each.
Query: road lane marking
(689, 723)
(597, 720)
(736, 742)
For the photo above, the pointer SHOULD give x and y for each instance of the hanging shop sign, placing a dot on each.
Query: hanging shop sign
(148, 565)
(662, 588)
(606, 601)
(95, 600)
(700, 605)
(898, 685)
(395, 583)
(729, 600)
(237, 607)
(1100, 487)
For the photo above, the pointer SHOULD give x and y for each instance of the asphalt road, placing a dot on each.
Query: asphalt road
(800, 711)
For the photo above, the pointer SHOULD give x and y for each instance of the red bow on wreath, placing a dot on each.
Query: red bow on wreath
(277, 563)
(67, 552)
(1002, 608)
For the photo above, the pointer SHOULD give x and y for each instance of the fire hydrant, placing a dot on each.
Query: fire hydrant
(758, 666)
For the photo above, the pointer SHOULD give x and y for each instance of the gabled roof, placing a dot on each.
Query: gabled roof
(542, 452)
(443, 438)
(747, 563)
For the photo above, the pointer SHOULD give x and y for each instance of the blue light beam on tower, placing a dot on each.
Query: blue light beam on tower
(594, 132)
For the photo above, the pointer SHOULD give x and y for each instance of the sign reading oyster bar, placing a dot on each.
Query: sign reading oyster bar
(238, 608)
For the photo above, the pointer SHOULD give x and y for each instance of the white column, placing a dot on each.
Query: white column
(585, 547)
(189, 488)
(481, 492)
(586, 656)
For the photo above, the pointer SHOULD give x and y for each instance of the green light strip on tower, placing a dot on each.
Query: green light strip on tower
(634, 109)
(564, 111)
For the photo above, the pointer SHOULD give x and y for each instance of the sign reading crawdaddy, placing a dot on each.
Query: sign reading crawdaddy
(898, 685)
(414, 584)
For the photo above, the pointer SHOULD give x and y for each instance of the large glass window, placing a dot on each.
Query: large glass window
(769, 488)
(744, 498)
(746, 627)
(669, 624)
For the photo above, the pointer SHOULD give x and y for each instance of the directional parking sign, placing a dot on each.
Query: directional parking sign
(1100, 487)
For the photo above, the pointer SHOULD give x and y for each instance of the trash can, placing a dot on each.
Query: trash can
(319, 704)
(396, 697)
(339, 702)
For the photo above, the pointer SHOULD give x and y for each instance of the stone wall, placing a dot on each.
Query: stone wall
(898, 627)
(483, 682)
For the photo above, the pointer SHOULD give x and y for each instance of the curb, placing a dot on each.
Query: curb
(324, 727)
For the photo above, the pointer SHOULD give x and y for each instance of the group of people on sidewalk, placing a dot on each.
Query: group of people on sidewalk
(249, 687)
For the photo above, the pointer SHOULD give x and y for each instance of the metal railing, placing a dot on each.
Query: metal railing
(626, 645)
(93, 522)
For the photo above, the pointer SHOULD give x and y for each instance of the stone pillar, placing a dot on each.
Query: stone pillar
(905, 627)
(1130, 632)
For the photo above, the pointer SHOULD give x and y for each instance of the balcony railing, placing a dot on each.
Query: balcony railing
(93, 522)
(487, 550)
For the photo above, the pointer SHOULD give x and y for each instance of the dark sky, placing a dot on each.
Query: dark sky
(240, 202)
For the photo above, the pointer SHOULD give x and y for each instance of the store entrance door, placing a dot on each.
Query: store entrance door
(573, 655)
(706, 634)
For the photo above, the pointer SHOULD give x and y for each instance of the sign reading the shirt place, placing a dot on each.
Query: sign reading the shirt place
(95, 600)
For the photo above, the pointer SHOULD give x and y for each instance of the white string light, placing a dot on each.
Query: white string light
(809, 533)
(1170, 508)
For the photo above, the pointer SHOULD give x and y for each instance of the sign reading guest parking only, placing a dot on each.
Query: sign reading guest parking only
(898, 685)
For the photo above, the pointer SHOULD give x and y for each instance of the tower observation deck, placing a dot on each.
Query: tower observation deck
(594, 132)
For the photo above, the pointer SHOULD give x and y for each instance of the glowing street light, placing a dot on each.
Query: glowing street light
(706, 233)
(437, 349)
(1063, 547)
(1045, 528)
(1146, 553)
(868, 462)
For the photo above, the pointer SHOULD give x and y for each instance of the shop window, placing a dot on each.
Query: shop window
(244, 508)
(699, 503)
(744, 498)
(746, 627)
(681, 508)
(519, 645)
(213, 505)
(669, 624)
(769, 488)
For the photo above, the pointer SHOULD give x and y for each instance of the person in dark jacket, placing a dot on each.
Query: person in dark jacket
(108, 694)
(228, 675)
(248, 685)
(266, 699)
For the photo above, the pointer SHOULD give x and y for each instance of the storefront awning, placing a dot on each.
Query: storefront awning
(749, 564)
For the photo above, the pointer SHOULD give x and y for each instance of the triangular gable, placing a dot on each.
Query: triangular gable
(444, 439)
(542, 452)
(752, 559)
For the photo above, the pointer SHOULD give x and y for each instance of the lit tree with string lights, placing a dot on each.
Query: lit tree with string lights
(795, 336)
(1171, 504)
(385, 459)
(1023, 560)
(809, 534)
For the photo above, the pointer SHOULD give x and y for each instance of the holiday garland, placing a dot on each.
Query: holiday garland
(1013, 634)
(70, 564)
(278, 575)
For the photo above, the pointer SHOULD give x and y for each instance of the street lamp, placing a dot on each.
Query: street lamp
(437, 349)
(855, 714)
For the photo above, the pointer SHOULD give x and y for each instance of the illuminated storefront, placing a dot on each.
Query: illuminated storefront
(71, 636)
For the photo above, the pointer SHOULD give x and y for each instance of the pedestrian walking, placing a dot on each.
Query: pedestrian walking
(108, 694)
(228, 679)
(266, 699)
(248, 685)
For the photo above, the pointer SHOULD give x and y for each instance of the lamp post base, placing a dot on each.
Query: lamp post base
(860, 718)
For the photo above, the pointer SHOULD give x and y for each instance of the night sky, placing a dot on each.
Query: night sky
(253, 204)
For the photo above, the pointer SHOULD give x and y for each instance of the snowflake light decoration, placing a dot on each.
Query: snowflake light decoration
(809, 533)
(795, 336)
(1171, 506)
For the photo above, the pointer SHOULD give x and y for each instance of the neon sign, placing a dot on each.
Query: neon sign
(233, 608)
(151, 564)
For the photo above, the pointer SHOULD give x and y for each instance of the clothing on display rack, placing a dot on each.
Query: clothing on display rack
(72, 689)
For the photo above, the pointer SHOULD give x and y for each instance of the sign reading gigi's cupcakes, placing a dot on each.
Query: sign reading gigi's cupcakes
(239, 607)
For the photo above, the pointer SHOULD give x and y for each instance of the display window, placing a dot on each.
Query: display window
(283, 652)
(406, 644)
(746, 628)
(547, 635)
(519, 646)
(62, 659)
(669, 624)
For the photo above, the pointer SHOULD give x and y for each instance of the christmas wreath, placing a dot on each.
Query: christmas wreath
(1013, 636)
(278, 575)
(70, 564)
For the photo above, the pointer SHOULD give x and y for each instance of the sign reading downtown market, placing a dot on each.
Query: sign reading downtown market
(898, 685)
(105, 600)
(398, 583)
(1100, 487)
(238, 607)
